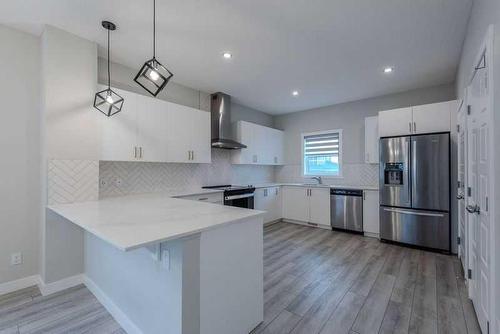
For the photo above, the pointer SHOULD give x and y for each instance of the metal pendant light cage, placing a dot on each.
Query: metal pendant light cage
(153, 76)
(108, 101)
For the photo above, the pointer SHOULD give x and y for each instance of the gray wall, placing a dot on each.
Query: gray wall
(350, 117)
(20, 186)
(123, 78)
(484, 13)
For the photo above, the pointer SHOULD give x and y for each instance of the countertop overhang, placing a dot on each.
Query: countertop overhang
(136, 221)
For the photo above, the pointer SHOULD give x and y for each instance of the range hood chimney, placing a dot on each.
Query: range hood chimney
(220, 108)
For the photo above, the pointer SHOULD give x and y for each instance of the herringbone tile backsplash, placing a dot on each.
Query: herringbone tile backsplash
(122, 178)
(72, 181)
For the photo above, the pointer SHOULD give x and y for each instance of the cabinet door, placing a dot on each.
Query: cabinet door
(276, 147)
(371, 212)
(371, 140)
(243, 133)
(119, 133)
(396, 122)
(259, 200)
(152, 123)
(277, 203)
(320, 206)
(435, 117)
(179, 133)
(200, 136)
(295, 203)
(260, 148)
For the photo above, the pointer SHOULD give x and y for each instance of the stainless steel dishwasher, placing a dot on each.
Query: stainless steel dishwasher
(346, 209)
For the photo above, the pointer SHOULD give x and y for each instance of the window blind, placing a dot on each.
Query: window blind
(322, 145)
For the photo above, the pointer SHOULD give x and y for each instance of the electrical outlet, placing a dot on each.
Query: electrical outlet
(16, 259)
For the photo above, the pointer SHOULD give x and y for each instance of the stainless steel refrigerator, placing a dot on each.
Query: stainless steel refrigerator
(415, 190)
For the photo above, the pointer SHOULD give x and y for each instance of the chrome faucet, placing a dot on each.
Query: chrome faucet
(317, 178)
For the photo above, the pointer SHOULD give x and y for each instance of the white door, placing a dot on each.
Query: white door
(371, 224)
(462, 184)
(371, 140)
(396, 122)
(152, 123)
(435, 117)
(478, 160)
(319, 206)
(296, 203)
(179, 133)
(119, 132)
(200, 136)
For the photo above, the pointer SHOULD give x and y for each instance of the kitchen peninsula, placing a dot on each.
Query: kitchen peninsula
(167, 265)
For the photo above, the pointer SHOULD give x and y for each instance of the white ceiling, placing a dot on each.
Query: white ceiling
(332, 51)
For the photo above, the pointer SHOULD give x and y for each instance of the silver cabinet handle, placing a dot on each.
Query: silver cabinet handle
(473, 209)
(276, 191)
(192, 152)
(409, 124)
(414, 127)
(135, 152)
(203, 199)
(189, 155)
(140, 152)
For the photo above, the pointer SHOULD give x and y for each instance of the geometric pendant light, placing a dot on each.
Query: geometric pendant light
(153, 76)
(107, 101)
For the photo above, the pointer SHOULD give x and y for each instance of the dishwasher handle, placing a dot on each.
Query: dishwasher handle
(346, 192)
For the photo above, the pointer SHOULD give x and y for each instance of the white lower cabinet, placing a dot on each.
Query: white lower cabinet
(371, 226)
(269, 200)
(308, 205)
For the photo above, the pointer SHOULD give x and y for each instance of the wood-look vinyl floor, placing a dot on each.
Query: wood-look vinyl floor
(315, 282)
(327, 282)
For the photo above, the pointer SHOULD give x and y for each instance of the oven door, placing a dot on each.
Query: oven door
(240, 200)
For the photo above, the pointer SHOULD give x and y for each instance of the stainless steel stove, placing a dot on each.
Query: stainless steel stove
(239, 196)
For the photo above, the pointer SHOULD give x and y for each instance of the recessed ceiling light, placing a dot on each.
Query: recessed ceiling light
(295, 93)
(388, 69)
(227, 55)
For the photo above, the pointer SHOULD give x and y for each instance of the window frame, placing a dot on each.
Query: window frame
(341, 145)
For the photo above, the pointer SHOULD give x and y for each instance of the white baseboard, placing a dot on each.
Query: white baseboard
(19, 284)
(112, 308)
(372, 235)
(298, 222)
(65, 283)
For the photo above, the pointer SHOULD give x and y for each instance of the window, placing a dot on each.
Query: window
(322, 153)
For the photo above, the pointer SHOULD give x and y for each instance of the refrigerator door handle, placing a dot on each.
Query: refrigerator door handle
(408, 170)
(415, 213)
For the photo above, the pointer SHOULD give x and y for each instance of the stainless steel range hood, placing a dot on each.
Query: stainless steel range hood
(222, 137)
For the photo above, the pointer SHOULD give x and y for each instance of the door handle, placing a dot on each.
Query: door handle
(473, 209)
(460, 196)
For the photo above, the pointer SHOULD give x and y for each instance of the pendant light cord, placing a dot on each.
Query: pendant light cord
(109, 70)
(154, 29)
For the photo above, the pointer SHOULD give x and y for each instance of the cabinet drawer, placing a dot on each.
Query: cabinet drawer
(212, 198)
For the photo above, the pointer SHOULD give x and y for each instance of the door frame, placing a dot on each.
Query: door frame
(463, 248)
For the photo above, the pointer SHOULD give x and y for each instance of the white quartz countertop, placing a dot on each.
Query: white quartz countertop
(311, 185)
(136, 221)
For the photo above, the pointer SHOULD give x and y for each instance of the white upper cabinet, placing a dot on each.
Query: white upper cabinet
(264, 145)
(428, 118)
(119, 132)
(188, 135)
(149, 129)
(434, 117)
(395, 122)
(371, 140)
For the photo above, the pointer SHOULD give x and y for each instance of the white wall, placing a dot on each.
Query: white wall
(484, 13)
(20, 208)
(72, 140)
(350, 117)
